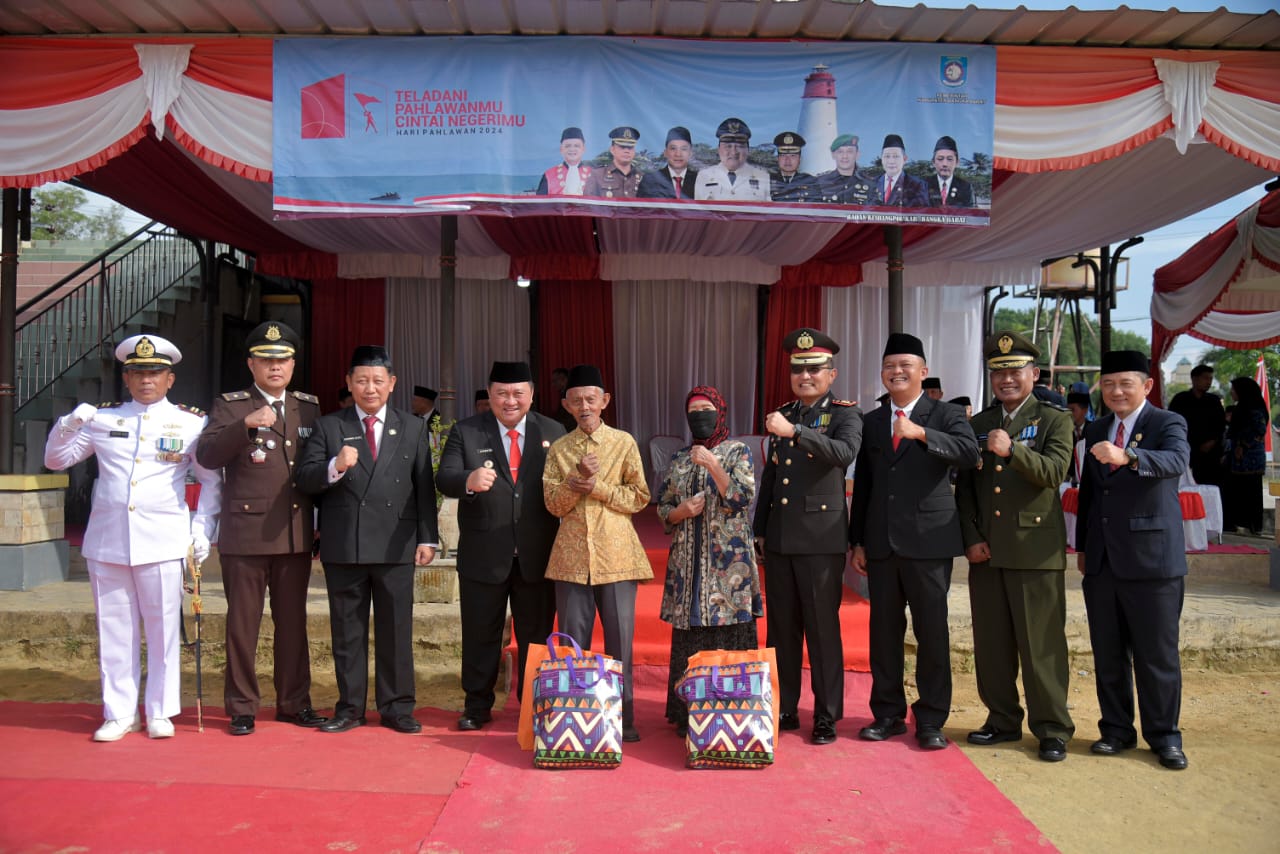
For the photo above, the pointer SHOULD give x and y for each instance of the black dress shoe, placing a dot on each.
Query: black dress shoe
(630, 733)
(1109, 745)
(882, 728)
(472, 723)
(788, 721)
(305, 718)
(824, 731)
(1053, 749)
(241, 725)
(1172, 758)
(342, 723)
(930, 738)
(401, 723)
(989, 735)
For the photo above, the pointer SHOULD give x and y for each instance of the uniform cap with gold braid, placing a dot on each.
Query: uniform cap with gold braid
(808, 346)
(788, 142)
(147, 353)
(624, 136)
(1008, 349)
(272, 340)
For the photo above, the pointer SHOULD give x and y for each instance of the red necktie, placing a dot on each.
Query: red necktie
(897, 440)
(679, 191)
(888, 188)
(1119, 442)
(514, 457)
(945, 186)
(370, 436)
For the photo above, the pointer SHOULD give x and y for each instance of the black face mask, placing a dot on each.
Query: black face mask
(702, 423)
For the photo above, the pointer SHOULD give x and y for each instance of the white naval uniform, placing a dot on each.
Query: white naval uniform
(137, 539)
(713, 183)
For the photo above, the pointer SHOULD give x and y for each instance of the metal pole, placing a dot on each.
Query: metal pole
(1104, 299)
(448, 347)
(8, 325)
(893, 240)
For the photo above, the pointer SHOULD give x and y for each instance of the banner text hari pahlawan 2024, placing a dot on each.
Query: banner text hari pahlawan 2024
(650, 127)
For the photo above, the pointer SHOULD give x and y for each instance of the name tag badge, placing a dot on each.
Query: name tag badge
(119, 434)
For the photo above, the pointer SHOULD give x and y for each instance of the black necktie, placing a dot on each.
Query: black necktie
(733, 179)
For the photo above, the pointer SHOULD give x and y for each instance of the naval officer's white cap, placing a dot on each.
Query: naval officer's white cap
(147, 352)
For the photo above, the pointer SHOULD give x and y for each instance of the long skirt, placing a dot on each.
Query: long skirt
(686, 642)
(1241, 501)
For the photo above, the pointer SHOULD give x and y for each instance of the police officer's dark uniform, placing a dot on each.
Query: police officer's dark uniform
(802, 517)
(837, 189)
(265, 536)
(610, 182)
(1018, 597)
(798, 186)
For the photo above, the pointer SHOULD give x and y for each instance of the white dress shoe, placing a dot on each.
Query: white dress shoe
(160, 728)
(114, 730)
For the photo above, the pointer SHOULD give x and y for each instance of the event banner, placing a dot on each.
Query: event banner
(650, 127)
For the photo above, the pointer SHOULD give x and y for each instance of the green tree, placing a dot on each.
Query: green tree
(58, 212)
(1228, 364)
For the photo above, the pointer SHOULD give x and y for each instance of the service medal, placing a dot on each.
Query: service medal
(169, 450)
(258, 456)
(304, 432)
(271, 444)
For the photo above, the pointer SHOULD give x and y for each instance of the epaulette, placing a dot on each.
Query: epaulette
(1052, 405)
(835, 401)
(309, 398)
(994, 406)
(235, 395)
(194, 410)
(112, 404)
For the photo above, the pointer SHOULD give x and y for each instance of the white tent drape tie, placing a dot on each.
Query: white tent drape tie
(162, 68)
(1187, 86)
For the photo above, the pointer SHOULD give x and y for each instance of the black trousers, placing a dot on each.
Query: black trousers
(898, 583)
(246, 579)
(484, 615)
(1133, 627)
(389, 587)
(802, 604)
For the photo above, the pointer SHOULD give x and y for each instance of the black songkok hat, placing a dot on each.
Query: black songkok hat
(510, 372)
(371, 356)
(343, 394)
(678, 132)
(572, 133)
(945, 143)
(959, 401)
(932, 382)
(585, 375)
(894, 141)
(482, 394)
(1120, 361)
(424, 392)
(900, 343)
(1080, 398)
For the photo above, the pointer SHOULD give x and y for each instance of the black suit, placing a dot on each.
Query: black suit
(1129, 529)
(371, 521)
(506, 537)
(904, 516)
(659, 185)
(959, 194)
(801, 515)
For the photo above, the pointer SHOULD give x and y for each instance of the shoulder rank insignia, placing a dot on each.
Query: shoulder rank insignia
(194, 410)
(111, 404)
(835, 401)
(309, 398)
(235, 395)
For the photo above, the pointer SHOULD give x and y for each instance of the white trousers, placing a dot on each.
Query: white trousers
(123, 594)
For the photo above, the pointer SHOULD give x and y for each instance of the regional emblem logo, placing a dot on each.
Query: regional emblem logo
(954, 70)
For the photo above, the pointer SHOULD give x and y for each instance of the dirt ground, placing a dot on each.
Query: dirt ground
(1227, 801)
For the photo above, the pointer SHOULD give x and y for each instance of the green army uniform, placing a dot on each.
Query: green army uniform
(1018, 598)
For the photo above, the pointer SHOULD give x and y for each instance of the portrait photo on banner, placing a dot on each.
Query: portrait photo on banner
(635, 127)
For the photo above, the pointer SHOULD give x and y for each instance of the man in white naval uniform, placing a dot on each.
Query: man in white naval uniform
(733, 177)
(140, 529)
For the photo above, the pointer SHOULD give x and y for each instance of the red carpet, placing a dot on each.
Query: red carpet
(289, 789)
(653, 637)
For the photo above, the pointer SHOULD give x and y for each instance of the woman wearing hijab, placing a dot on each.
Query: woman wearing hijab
(1245, 457)
(711, 596)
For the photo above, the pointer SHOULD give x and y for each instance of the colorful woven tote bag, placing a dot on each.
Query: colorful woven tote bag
(731, 721)
(577, 710)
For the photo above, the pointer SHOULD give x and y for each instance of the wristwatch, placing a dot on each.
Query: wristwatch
(1133, 458)
(795, 434)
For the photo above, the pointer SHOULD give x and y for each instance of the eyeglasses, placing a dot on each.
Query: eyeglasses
(797, 370)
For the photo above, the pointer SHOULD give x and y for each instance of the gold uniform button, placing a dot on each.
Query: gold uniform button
(784, 501)
(295, 507)
(290, 462)
(786, 481)
(788, 461)
(824, 507)
(287, 443)
(999, 468)
(246, 507)
(997, 490)
(137, 459)
(130, 508)
(146, 417)
(1037, 520)
(997, 512)
(133, 483)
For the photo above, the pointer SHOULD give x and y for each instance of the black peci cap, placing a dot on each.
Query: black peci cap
(900, 343)
(510, 372)
(370, 356)
(585, 375)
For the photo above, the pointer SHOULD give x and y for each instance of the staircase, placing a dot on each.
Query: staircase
(64, 346)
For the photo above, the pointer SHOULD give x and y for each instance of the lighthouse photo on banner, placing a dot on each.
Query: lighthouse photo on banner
(650, 127)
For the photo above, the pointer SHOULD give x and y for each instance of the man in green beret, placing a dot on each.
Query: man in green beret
(1015, 541)
(845, 185)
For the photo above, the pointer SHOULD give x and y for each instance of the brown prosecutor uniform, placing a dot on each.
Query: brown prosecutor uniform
(264, 542)
(1018, 598)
